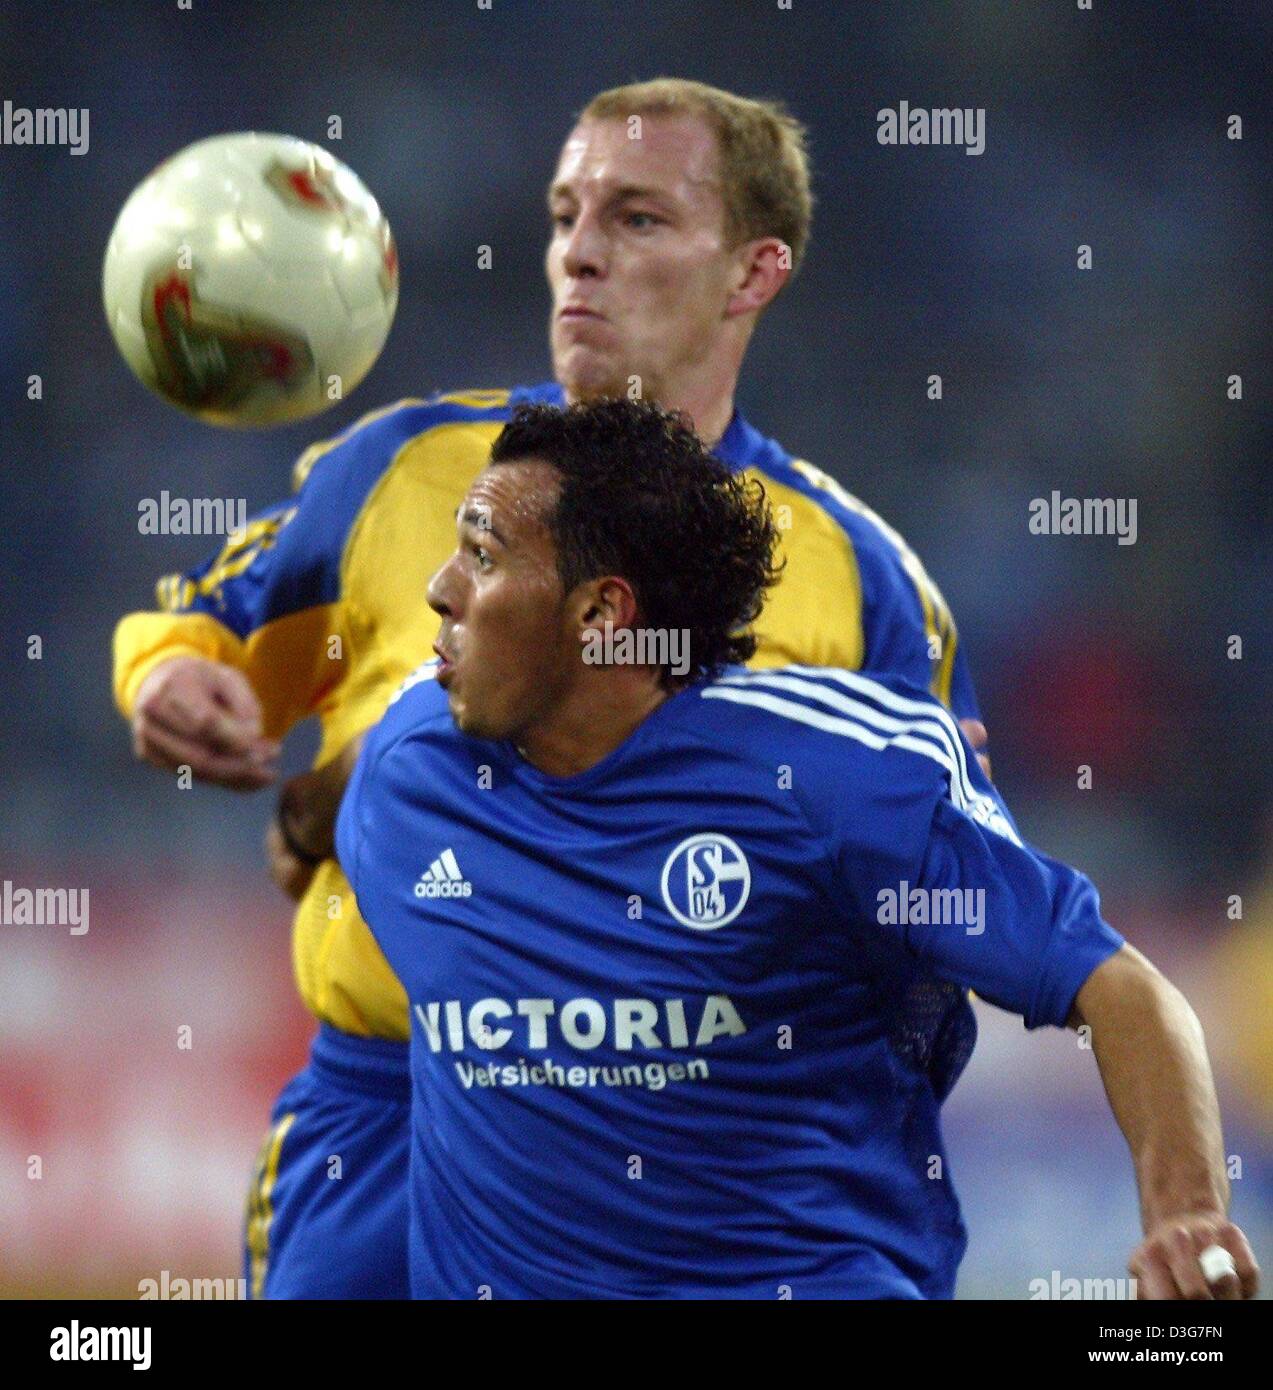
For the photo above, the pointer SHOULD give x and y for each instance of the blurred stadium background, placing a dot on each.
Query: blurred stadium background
(1105, 127)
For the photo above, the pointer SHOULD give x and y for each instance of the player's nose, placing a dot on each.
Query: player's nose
(442, 591)
(585, 253)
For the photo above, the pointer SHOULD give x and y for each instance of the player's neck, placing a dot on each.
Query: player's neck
(704, 388)
(592, 720)
(711, 412)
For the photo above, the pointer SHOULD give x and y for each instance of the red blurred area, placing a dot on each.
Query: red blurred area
(125, 1151)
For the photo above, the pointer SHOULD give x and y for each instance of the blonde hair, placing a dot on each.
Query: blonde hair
(764, 161)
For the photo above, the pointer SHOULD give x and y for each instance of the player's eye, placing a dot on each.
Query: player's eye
(483, 557)
(562, 221)
(645, 219)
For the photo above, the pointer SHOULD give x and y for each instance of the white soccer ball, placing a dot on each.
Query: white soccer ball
(251, 280)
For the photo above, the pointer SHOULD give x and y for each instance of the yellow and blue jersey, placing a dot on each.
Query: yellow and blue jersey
(320, 602)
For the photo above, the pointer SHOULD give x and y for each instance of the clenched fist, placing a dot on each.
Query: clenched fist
(204, 714)
(1167, 1262)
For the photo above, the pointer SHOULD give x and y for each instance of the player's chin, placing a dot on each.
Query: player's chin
(467, 719)
(490, 719)
(587, 373)
(462, 723)
(456, 704)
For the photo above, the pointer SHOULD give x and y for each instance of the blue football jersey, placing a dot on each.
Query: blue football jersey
(682, 1024)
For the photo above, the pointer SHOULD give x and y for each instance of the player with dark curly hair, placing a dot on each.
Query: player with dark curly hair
(596, 519)
(657, 938)
(639, 495)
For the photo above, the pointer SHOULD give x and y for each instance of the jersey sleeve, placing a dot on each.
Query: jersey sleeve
(1039, 932)
(269, 601)
(931, 862)
(908, 629)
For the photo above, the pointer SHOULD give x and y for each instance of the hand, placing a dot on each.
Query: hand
(205, 715)
(292, 874)
(975, 733)
(1165, 1264)
(308, 804)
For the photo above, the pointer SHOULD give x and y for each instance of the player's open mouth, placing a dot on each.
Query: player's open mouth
(446, 665)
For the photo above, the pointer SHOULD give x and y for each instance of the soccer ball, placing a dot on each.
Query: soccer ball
(251, 280)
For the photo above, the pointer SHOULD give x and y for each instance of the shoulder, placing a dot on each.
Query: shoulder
(836, 545)
(790, 478)
(415, 729)
(881, 550)
(336, 478)
(882, 733)
(887, 736)
(418, 706)
(357, 455)
(870, 753)
(882, 554)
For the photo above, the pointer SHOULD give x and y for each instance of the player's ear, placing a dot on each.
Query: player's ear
(763, 268)
(602, 601)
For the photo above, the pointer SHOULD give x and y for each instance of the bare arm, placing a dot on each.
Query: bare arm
(1153, 1061)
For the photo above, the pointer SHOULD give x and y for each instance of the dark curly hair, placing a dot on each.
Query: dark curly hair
(641, 497)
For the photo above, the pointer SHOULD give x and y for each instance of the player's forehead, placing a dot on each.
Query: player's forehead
(676, 156)
(511, 499)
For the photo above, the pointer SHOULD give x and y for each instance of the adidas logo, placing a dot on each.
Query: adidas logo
(443, 879)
